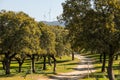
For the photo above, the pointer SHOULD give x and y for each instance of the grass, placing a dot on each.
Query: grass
(98, 75)
(63, 65)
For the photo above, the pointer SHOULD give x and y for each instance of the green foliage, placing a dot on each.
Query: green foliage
(62, 46)
(94, 26)
(89, 27)
(19, 33)
(47, 39)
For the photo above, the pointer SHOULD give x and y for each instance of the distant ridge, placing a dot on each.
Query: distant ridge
(54, 23)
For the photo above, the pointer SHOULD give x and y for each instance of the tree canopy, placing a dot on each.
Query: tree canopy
(19, 33)
(94, 25)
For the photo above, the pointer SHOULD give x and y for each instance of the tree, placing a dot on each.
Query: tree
(62, 46)
(19, 33)
(31, 34)
(110, 10)
(20, 58)
(93, 26)
(8, 38)
(47, 44)
(73, 12)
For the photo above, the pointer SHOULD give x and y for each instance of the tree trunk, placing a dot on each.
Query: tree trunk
(109, 69)
(73, 56)
(54, 68)
(101, 57)
(38, 57)
(44, 62)
(104, 62)
(116, 58)
(49, 61)
(33, 63)
(7, 64)
(8, 61)
(20, 62)
(20, 66)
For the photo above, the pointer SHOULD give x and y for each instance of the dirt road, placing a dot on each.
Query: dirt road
(84, 68)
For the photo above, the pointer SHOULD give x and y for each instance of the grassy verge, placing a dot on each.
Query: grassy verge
(98, 75)
(63, 65)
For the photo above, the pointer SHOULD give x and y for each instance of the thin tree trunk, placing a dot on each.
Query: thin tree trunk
(54, 68)
(49, 61)
(104, 62)
(33, 63)
(20, 66)
(44, 62)
(38, 57)
(73, 56)
(101, 57)
(109, 69)
(20, 62)
(116, 58)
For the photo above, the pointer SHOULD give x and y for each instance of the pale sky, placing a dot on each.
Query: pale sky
(41, 10)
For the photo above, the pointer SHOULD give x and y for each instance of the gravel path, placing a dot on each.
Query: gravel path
(80, 71)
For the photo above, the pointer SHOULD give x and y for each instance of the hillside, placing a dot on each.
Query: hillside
(54, 23)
